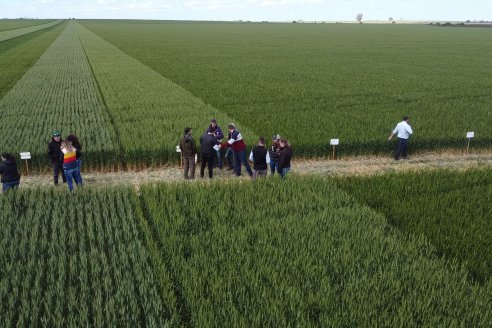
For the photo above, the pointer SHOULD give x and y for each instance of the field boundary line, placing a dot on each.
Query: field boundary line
(15, 33)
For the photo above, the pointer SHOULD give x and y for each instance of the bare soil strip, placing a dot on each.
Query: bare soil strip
(368, 165)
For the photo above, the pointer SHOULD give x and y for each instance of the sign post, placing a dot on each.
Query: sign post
(26, 155)
(469, 136)
(178, 150)
(334, 143)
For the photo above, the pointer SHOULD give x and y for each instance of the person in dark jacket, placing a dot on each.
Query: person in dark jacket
(188, 151)
(219, 135)
(208, 147)
(284, 158)
(260, 158)
(54, 155)
(274, 152)
(77, 145)
(238, 146)
(8, 170)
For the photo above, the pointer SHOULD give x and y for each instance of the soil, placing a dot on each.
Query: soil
(363, 165)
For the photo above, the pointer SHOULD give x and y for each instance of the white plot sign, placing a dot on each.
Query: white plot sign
(25, 155)
(334, 142)
(178, 150)
(470, 135)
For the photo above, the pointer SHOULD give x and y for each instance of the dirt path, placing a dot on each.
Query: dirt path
(349, 166)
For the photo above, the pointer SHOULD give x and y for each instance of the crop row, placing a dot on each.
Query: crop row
(272, 253)
(11, 24)
(14, 33)
(313, 82)
(148, 111)
(453, 210)
(58, 93)
(72, 262)
(301, 253)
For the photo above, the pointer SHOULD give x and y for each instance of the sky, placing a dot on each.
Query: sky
(253, 10)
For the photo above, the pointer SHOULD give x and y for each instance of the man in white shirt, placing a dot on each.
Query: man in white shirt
(403, 130)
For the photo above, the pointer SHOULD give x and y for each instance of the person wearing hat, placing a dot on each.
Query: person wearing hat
(238, 146)
(9, 172)
(274, 152)
(54, 154)
(219, 135)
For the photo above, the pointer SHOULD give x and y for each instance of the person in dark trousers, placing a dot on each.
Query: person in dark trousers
(68, 158)
(284, 158)
(54, 155)
(219, 135)
(72, 138)
(403, 130)
(208, 147)
(229, 156)
(260, 158)
(274, 152)
(8, 170)
(238, 146)
(188, 151)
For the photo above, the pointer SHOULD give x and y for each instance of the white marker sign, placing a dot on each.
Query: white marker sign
(334, 142)
(470, 135)
(178, 150)
(25, 155)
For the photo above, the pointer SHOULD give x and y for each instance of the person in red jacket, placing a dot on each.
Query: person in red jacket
(238, 146)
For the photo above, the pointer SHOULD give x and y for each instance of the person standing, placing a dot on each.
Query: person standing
(284, 158)
(188, 150)
(9, 172)
(219, 135)
(260, 158)
(274, 152)
(72, 138)
(403, 131)
(229, 157)
(68, 158)
(238, 146)
(54, 155)
(208, 147)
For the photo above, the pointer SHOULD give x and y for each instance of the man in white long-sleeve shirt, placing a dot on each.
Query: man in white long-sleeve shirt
(403, 130)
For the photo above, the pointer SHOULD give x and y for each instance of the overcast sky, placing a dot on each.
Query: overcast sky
(255, 10)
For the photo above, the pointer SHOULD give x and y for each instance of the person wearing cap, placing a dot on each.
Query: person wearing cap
(274, 152)
(260, 158)
(54, 155)
(403, 130)
(238, 146)
(9, 172)
(188, 150)
(208, 147)
(219, 135)
(284, 158)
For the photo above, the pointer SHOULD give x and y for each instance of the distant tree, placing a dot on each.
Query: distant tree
(358, 18)
(390, 19)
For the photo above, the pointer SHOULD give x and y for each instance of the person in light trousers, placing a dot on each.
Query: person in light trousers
(188, 151)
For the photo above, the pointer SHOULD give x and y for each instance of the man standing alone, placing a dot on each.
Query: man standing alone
(403, 130)
(54, 153)
(188, 150)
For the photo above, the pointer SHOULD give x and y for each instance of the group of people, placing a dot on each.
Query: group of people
(277, 156)
(66, 158)
(65, 155)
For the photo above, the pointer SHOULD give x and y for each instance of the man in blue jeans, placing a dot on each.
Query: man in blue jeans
(9, 172)
(238, 146)
(403, 130)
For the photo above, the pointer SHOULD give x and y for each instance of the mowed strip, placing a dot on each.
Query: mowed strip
(149, 111)
(57, 93)
(10, 34)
